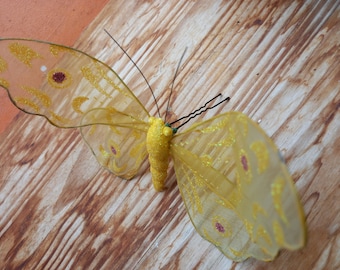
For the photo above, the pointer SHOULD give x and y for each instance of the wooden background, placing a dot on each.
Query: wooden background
(279, 62)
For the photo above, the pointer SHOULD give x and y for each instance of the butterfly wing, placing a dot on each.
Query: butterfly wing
(236, 188)
(118, 140)
(73, 89)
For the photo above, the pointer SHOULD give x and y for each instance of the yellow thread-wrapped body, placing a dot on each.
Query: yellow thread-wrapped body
(158, 146)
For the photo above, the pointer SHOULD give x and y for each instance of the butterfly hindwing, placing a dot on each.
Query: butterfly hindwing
(122, 144)
(237, 190)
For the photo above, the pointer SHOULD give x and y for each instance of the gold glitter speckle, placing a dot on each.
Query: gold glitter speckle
(23, 53)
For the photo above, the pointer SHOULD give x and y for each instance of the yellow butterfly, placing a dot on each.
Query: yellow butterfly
(236, 188)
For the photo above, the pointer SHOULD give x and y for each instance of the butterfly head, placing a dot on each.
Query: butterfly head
(174, 130)
(163, 128)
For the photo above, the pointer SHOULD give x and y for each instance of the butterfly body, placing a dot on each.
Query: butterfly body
(236, 188)
(158, 141)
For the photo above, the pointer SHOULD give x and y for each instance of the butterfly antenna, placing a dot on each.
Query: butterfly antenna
(153, 95)
(200, 110)
(173, 83)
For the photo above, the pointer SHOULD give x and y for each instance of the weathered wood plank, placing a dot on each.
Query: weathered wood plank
(279, 61)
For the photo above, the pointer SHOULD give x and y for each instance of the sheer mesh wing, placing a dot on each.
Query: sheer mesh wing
(118, 140)
(73, 89)
(237, 190)
(61, 83)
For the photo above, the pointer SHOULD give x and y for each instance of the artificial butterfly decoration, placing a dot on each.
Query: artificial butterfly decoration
(236, 188)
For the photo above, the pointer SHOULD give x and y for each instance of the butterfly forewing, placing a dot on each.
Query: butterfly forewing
(236, 188)
(61, 83)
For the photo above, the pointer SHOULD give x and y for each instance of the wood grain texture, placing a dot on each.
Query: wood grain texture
(279, 62)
